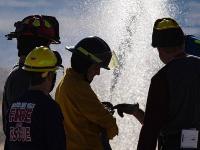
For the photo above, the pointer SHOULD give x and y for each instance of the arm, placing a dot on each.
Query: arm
(94, 110)
(139, 115)
(132, 109)
(155, 114)
(4, 110)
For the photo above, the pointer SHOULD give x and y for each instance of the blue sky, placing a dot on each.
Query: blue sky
(69, 14)
(66, 11)
(189, 16)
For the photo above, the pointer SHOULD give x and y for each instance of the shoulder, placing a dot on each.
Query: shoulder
(184, 66)
(54, 110)
(51, 104)
(189, 60)
(13, 72)
(16, 73)
(47, 103)
(73, 83)
(161, 74)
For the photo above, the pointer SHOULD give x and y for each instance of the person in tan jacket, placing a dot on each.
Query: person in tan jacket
(84, 115)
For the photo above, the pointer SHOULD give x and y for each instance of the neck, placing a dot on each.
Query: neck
(86, 79)
(40, 88)
(180, 55)
(177, 55)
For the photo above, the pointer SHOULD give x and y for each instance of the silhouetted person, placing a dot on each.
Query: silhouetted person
(34, 120)
(172, 114)
(85, 117)
(32, 31)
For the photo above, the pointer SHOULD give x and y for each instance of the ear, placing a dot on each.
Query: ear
(45, 74)
(50, 76)
(93, 67)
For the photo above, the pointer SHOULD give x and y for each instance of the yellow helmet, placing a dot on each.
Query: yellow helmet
(167, 33)
(41, 59)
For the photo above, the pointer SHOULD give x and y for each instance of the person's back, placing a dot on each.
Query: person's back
(32, 124)
(84, 114)
(32, 31)
(172, 114)
(34, 120)
(183, 81)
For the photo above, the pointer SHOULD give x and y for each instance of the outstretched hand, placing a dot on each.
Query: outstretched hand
(109, 106)
(132, 109)
(126, 108)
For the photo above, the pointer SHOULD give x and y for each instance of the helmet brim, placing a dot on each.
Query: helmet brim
(70, 48)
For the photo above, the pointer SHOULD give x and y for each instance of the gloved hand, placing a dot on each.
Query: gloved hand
(126, 108)
(108, 106)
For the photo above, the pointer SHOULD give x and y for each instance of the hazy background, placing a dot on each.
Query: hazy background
(77, 18)
(104, 18)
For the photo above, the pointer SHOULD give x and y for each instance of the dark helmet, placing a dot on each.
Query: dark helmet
(167, 33)
(94, 49)
(41, 26)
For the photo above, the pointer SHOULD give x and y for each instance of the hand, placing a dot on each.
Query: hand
(126, 108)
(108, 106)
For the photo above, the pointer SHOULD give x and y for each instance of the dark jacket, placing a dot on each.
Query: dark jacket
(173, 102)
(16, 84)
(35, 122)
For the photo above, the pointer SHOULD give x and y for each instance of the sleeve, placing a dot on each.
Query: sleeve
(91, 107)
(155, 114)
(16, 84)
(5, 103)
(55, 134)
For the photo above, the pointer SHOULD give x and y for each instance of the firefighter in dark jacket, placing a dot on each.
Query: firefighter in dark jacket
(172, 113)
(34, 119)
(32, 31)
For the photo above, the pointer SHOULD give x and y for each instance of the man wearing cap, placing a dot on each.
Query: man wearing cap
(84, 115)
(173, 108)
(32, 31)
(34, 120)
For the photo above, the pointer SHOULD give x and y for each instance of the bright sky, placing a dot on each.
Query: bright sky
(73, 16)
(81, 18)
